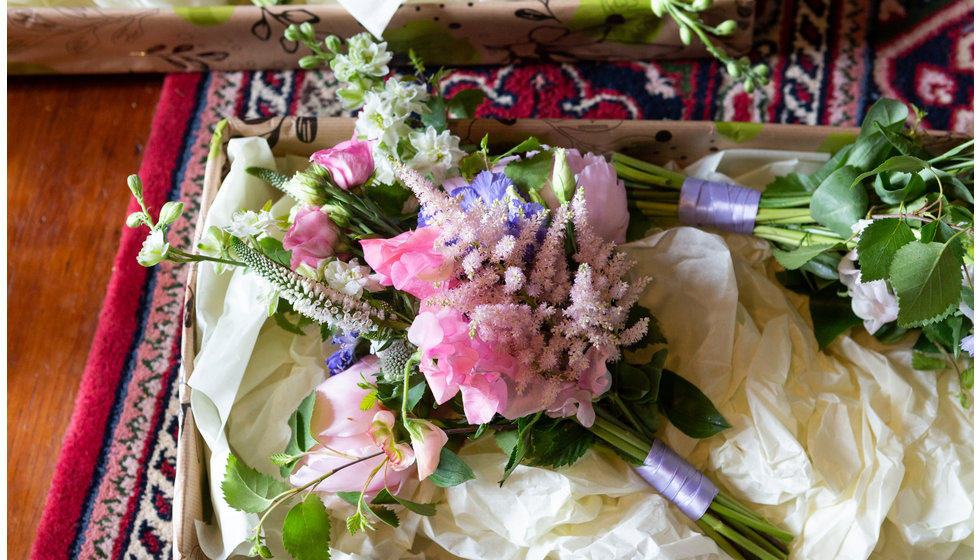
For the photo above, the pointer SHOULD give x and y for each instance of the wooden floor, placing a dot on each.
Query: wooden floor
(71, 142)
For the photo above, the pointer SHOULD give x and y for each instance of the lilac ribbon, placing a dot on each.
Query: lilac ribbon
(677, 480)
(717, 205)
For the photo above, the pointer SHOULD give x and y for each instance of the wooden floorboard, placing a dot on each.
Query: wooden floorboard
(71, 142)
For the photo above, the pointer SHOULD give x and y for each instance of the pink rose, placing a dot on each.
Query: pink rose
(311, 238)
(350, 163)
(341, 427)
(409, 261)
(454, 362)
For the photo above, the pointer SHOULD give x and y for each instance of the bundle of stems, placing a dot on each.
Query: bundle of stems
(741, 533)
(783, 217)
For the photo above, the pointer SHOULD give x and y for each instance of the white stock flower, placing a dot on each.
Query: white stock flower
(364, 56)
(155, 248)
(405, 97)
(378, 121)
(350, 278)
(246, 223)
(871, 301)
(434, 153)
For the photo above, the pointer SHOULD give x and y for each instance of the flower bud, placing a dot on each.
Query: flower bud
(307, 31)
(308, 62)
(749, 86)
(726, 27)
(562, 178)
(291, 33)
(733, 69)
(761, 70)
(333, 43)
(170, 213)
(305, 189)
(135, 219)
(685, 35)
(700, 5)
(135, 186)
(154, 250)
(658, 7)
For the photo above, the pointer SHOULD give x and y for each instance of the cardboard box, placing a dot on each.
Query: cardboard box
(230, 38)
(655, 141)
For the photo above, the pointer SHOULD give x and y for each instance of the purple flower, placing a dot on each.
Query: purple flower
(487, 187)
(345, 356)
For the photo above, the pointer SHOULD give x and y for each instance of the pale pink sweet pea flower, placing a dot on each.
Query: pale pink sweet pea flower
(605, 194)
(312, 237)
(453, 362)
(350, 163)
(382, 431)
(427, 442)
(342, 429)
(409, 262)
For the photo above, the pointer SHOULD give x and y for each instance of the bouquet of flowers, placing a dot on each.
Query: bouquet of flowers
(468, 294)
(885, 223)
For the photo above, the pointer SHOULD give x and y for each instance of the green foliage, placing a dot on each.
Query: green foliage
(451, 470)
(521, 445)
(270, 176)
(832, 315)
(300, 438)
(926, 280)
(390, 198)
(688, 408)
(386, 497)
(838, 206)
(878, 245)
(557, 443)
(246, 489)
(796, 258)
(463, 105)
(306, 530)
(530, 174)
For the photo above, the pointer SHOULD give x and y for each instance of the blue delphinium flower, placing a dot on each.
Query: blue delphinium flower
(345, 356)
(486, 186)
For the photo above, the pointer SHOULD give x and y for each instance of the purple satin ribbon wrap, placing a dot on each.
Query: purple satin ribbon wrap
(677, 480)
(718, 206)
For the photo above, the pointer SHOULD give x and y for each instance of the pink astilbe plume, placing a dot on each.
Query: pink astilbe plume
(511, 289)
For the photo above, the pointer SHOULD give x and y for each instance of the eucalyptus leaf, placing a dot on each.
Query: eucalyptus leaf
(836, 205)
(436, 118)
(926, 279)
(688, 408)
(306, 530)
(878, 245)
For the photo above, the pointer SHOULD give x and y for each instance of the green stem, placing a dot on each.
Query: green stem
(757, 538)
(719, 540)
(751, 520)
(666, 177)
(785, 215)
(739, 539)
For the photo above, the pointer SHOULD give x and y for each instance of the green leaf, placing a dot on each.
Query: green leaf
(385, 497)
(529, 144)
(872, 145)
(836, 205)
(632, 382)
(926, 280)
(517, 454)
(966, 378)
(300, 438)
(792, 183)
(463, 105)
(390, 198)
(831, 314)
(823, 266)
(559, 443)
(688, 408)
(272, 248)
(437, 117)
(878, 245)
(946, 333)
(905, 145)
(530, 174)
(357, 522)
(900, 165)
(246, 489)
(451, 470)
(639, 225)
(926, 362)
(306, 530)
(506, 440)
(937, 231)
(386, 515)
(798, 257)
(415, 394)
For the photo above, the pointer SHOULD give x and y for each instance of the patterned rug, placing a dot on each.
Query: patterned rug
(111, 495)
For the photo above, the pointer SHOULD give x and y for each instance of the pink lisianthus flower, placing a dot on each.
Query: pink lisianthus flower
(409, 262)
(343, 434)
(605, 194)
(454, 362)
(350, 163)
(312, 237)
